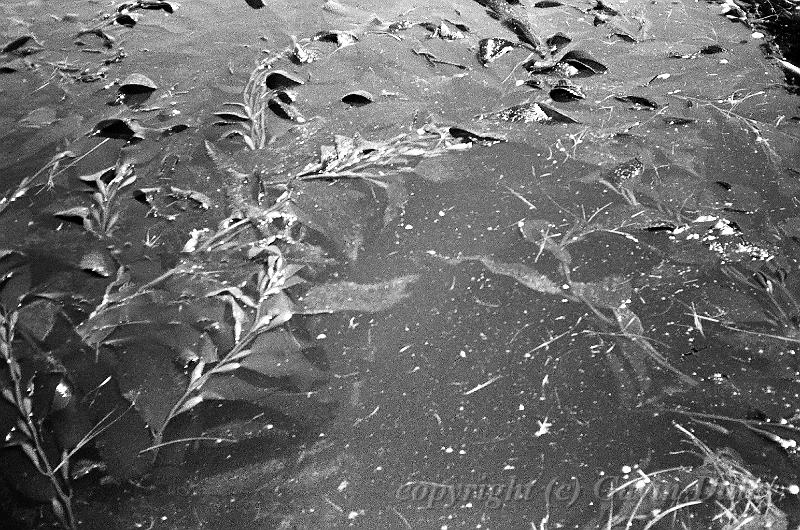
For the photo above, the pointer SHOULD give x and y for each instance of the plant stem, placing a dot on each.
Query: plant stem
(39, 459)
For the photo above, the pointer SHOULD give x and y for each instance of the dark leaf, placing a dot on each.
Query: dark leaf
(233, 116)
(471, 136)
(281, 80)
(17, 43)
(583, 61)
(296, 405)
(639, 100)
(137, 84)
(459, 26)
(103, 175)
(149, 379)
(678, 120)
(169, 7)
(284, 110)
(358, 98)
(730, 306)
(625, 36)
(173, 129)
(278, 355)
(121, 129)
(15, 65)
(606, 8)
(287, 96)
(78, 214)
(565, 91)
(724, 185)
(255, 4)
(15, 279)
(558, 41)
(711, 49)
(128, 20)
(126, 435)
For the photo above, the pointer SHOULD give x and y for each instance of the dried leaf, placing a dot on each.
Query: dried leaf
(202, 200)
(349, 296)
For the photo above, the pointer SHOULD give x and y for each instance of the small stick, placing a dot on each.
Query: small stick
(482, 385)
(520, 197)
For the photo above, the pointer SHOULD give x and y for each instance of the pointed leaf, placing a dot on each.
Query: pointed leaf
(197, 372)
(190, 404)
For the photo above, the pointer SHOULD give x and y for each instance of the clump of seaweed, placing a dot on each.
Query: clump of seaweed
(29, 433)
(608, 299)
(780, 306)
(232, 340)
(721, 490)
(26, 434)
(271, 310)
(352, 157)
(266, 89)
(102, 216)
